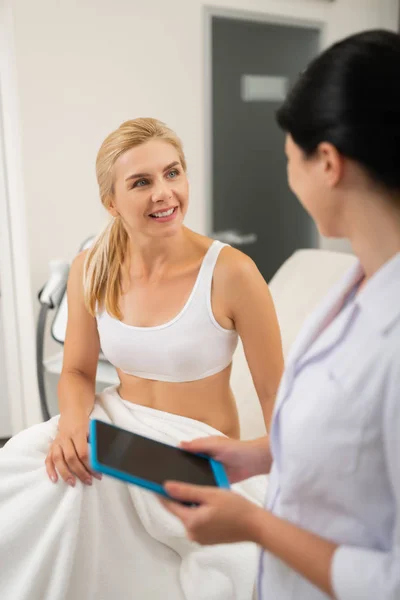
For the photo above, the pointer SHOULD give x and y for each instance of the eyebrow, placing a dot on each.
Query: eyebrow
(139, 175)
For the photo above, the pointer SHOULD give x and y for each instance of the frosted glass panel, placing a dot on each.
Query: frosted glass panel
(263, 88)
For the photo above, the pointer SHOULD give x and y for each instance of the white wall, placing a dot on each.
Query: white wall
(5, 417)
(85, 66)
(16, 321)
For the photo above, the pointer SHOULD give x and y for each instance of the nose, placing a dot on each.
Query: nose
(161, 192)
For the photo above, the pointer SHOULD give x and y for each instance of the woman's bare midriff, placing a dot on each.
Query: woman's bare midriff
(208, 400)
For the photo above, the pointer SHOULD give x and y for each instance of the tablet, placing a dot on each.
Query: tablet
(148, 463)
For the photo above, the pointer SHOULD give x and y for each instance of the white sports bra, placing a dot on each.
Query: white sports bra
(191, 346)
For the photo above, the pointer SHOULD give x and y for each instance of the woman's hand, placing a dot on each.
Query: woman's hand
(69, 453)
(222, 517)
(241, 460)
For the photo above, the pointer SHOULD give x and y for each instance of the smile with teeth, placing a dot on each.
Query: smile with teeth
(165, 213)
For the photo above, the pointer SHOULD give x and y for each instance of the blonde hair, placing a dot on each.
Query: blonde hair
(104, 260)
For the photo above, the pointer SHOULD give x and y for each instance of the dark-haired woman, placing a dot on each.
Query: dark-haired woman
(332, 524)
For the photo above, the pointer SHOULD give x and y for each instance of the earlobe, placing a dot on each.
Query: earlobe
(109, 205)
(113, 211)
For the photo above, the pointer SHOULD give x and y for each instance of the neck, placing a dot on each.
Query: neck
(374, 232)
(150, 257)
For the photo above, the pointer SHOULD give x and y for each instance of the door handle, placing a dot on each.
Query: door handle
(235, 237)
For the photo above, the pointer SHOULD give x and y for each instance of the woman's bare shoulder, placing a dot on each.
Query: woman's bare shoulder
(78, 263)
(235, 267)
(75, 279)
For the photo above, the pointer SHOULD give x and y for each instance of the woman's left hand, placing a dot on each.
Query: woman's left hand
(222, 516)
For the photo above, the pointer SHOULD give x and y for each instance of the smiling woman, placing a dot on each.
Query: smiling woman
(166, 306)
(148, 270)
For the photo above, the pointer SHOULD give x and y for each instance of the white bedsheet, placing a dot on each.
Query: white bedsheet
(110, 541)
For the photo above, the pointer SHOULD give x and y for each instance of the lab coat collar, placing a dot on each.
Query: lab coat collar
(380, 298)
(329, 307)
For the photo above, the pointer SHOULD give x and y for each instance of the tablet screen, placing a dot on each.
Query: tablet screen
(145, 458)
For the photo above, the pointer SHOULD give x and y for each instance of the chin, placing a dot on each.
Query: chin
(174, 230)
(167, 232)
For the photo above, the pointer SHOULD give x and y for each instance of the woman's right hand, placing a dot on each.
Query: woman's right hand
(69, 453)
(241, 460)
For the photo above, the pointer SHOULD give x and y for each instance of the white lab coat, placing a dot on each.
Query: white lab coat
(335, 440)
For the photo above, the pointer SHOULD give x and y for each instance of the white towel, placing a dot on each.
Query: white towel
(110, 540)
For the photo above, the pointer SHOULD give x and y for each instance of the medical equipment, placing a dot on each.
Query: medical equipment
(49, 297)
(53, 297)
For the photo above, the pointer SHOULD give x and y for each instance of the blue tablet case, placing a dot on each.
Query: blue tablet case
(221, 478)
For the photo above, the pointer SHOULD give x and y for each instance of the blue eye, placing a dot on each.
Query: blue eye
(140, 183)
(173, 174)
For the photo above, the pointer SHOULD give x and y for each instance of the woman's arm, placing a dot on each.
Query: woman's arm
(76, 388)
(347, 572)
(375, 573)
(306, 553)
(248, 303)
(68, 454)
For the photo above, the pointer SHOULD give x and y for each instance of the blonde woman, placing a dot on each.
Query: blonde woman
(166, 306)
